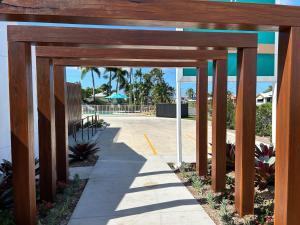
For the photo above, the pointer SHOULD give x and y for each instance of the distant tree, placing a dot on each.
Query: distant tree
(264, 120)
(190, 93)
(92, 70)
(111, 71)
(270, 88)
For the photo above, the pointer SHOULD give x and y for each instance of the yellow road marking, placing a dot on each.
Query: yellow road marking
(150, 144)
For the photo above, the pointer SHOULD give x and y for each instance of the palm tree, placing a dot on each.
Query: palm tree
(85, 71)
(190, 93)
(111, 71)
(120, 76)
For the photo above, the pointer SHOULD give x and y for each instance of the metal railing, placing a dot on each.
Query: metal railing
(116, 109)
(89, 124)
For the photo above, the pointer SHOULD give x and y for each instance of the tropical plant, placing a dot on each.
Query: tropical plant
(265, 174)
(82, 151)
(190, 93)
(6, 195)
(230, 156)
(110, 71)
(264, 165)
(92, 70)
(120, 75)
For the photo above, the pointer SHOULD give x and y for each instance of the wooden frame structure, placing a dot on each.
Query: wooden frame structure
(78, 37)
(205, 14)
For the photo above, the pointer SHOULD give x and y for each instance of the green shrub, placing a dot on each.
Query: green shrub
(230, 116)
(264, 120)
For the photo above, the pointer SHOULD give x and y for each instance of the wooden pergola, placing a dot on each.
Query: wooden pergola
(187, 13)
(19, 42)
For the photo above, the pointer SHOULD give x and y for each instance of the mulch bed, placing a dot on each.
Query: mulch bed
(222, 213)
(91, 161)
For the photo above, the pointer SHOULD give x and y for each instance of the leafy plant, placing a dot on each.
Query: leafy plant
(211, 201)
(264, 120)
(230, 116)
(197, 183)
(265, 153)
(230, 156)
(225, 214)
(82, 151)
(265, 165)
(6, 195)
(265, 174)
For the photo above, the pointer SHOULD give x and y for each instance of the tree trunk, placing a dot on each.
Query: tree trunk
(109, 88)
(94, 96)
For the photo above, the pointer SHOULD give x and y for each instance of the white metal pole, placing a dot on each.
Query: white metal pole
(178, 121)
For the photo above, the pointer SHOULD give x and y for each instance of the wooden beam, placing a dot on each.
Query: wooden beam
(245, 131)
(219, 126)
(121, 37)
(46, 121)
(61, 124)
(21, 121)
(201, 121)
(204, 14)
(287, 180)
(119, 53)
(123, 63)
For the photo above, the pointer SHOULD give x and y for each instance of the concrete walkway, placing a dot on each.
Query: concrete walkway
(132, 185)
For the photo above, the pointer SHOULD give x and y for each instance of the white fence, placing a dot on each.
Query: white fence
(117, 109)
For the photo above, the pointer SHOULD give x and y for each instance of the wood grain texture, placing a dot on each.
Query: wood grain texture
(287, 180)
(21, 122)
(245, 131)
(188, 13)
(201, 120)
(61, 124)
(118, 53)
(123, 63)
(80, 36)
(46, 122)
(219, 126)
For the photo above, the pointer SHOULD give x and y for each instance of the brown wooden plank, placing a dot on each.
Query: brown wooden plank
(118, 53)
(122, 37)
(21, 120)
(122, 63)
(201, 121)
(46, 121)
(288, 131)
(205, 14)
(61, 124)
(219, 126)
(245, 131)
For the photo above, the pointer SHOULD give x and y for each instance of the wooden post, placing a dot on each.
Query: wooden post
(21, 120)
(245, 131)
(201, 121)
(46, 113)
(61, 124)
(219, 126)
(287, 179)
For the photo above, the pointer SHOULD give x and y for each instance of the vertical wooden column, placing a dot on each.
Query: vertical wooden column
(61, 124)
(245, 131)
(46, 113)
(201, 121)
(287, 180)
(21, 119)
(219, 126)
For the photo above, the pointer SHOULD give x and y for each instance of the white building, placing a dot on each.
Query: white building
(5, 145)
(264, 98)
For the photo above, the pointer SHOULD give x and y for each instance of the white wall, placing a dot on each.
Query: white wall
(5, 145)
(4, 97)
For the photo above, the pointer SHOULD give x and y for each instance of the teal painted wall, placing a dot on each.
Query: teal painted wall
(265, 66)
(265, 62)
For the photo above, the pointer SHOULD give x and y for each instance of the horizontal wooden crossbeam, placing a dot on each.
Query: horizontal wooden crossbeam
(175, 13)
(124, 63)
(118, 53)
(90, 36)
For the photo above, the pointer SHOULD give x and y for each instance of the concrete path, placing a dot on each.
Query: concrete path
(131, 184)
